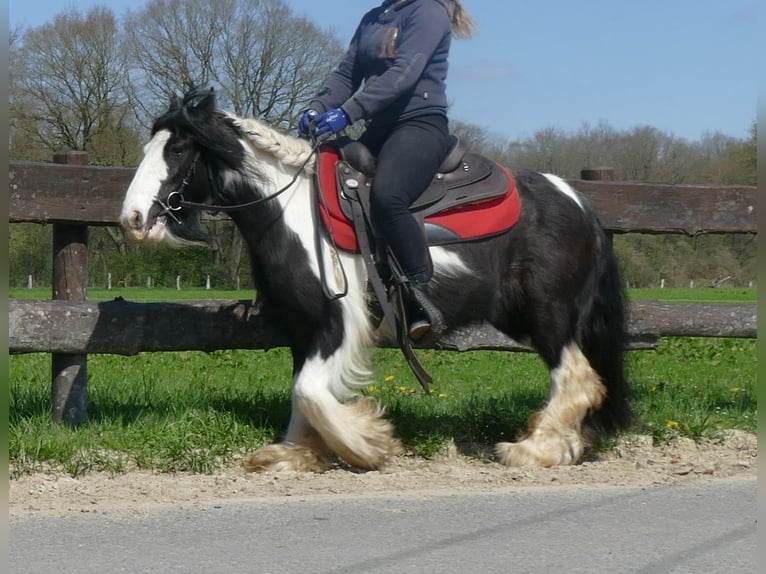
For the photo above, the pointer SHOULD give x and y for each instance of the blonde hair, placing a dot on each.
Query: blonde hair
(463, 26)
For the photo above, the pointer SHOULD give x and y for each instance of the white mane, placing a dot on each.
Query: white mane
(290, 151)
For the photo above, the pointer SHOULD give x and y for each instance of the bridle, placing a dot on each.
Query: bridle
(175, 202)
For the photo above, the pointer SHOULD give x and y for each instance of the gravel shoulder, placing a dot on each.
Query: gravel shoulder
(633, 462)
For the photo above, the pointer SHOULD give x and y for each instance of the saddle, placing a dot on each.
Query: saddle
(469, 198)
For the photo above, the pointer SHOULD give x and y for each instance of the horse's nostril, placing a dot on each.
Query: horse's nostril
(134, 220)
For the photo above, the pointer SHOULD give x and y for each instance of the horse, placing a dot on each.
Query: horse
(551, 282)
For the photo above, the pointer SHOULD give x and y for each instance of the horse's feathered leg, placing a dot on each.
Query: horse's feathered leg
(574, 314)
(356, 431)
(556, 433)
(302, 450)
(330, 364)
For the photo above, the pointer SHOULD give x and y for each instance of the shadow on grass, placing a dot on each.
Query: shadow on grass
(421, 423)
(475, 426)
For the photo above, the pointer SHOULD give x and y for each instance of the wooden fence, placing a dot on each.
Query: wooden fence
(71, 195)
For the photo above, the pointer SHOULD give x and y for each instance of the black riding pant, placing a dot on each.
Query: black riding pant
(408, 154)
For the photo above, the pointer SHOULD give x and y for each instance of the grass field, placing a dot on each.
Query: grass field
(196, 412)
(678, 295)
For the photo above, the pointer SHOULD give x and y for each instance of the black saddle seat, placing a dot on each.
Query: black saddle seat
(360, 158)
(463, 177)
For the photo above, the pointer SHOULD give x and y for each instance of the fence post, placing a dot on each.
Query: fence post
(69, 373)
(599, 174)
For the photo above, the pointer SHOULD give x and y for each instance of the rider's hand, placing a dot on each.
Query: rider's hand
(330, 122)
(306, 121)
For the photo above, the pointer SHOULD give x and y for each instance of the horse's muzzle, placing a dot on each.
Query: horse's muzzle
(132, 221)
(138, 229)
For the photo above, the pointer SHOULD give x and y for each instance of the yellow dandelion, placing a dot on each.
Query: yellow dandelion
(389, 378)
(671, 424)
(442, 395)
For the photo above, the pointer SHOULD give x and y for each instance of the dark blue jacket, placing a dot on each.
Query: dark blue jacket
(398, 56)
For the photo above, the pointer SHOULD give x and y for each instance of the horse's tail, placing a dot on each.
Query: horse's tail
(603, 336)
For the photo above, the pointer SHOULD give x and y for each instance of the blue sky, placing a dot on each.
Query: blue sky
(686, 67)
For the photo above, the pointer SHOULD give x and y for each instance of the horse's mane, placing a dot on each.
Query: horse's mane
(289, 150)
(217, 130)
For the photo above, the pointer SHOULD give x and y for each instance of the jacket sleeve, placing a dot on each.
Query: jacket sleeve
(342, 82)
(420, 36)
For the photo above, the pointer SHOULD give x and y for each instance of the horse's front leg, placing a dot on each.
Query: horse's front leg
(355, 428)
(302, 450)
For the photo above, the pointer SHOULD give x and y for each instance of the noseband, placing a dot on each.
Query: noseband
(175, 199)
(175, 202)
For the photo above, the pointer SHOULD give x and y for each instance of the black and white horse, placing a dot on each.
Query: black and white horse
(551, 282)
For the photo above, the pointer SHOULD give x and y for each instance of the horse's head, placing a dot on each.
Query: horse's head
(175, 167)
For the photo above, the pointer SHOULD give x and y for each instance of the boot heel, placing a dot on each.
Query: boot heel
(425, 318)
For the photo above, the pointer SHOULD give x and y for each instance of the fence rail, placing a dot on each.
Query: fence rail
(122, 327)
(72, 196)
(94, 195)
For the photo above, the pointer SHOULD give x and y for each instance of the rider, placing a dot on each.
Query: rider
(398, 57)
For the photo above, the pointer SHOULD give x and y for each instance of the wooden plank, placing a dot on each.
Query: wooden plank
(694, 320)
(52, 193)
(680, 209)
(92, 195)
(128, 328)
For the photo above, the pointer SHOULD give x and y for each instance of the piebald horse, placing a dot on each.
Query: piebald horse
(549, 281)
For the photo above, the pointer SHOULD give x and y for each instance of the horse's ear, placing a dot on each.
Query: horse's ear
(200, 100)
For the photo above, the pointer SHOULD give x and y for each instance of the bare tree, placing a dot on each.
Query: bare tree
(479, 140)
(67, 85)
(264, 61)
(170, 45)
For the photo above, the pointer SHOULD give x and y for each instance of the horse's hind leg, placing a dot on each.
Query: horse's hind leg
(556, 435)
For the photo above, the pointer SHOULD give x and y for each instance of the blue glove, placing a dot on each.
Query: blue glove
(330, 122)
(307, 119)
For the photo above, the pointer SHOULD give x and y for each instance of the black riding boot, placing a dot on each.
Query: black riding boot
(423, 317)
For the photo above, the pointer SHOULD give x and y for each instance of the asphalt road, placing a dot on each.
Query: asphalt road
(699, 528)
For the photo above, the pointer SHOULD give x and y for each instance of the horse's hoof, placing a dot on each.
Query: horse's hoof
(286, 457)
(554, 450)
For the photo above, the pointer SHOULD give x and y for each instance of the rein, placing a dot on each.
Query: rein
(175, 201)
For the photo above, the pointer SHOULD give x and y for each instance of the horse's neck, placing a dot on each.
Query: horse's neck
(279, 231)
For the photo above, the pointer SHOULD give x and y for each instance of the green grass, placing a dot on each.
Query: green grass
(670, 295)
(198, 412)
(709, 295)
(140, 294)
